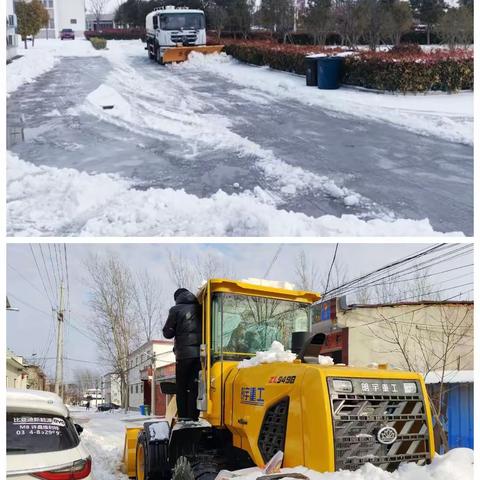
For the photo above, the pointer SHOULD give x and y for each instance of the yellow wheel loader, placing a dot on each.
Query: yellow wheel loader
(172, 33)
(324, 417)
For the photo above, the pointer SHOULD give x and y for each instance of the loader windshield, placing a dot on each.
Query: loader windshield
(182, 21)
(243, 325)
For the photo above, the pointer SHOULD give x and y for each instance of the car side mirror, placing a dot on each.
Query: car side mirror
(78, 428)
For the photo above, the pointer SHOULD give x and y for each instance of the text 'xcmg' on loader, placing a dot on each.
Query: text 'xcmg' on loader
(172, 33)
(324, 417)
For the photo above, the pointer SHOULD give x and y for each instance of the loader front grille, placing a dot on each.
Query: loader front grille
(359, 416)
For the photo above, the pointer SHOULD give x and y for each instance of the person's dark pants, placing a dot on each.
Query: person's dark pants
(186, 374)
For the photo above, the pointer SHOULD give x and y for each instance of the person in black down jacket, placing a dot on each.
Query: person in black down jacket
(184, 324)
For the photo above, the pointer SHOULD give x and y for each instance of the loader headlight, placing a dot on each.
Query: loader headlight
(344, 386)
(410, 387)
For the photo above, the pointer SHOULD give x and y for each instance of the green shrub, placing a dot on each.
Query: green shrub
(405, 69)
(410, 74)
(98, 43)
(116, 33)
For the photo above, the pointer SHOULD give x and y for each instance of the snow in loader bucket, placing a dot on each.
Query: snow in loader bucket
(180, 54)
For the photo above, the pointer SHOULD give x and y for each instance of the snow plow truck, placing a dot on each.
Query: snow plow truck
(324, 417)
(172, 33)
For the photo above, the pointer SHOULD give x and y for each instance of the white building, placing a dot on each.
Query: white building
(64, 14)
(112, 389)
(156, 353)
(17, 375)
(12, 38)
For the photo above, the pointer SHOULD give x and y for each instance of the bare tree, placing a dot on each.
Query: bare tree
(191, 273)
(98, 7)
(430, 344)
(147, 297)
(306, 273)
(85, 378)
(114, 321)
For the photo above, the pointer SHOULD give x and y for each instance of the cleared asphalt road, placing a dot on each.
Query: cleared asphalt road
(411, 175)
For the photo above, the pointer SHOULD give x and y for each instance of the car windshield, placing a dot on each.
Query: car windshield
(67, 30)
(182, 21)
(39, 433)
(244, 325)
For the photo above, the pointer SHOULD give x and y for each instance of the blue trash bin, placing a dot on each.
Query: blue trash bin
(329, 72)
(142, 409)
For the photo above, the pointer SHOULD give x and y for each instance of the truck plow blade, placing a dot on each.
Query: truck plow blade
(180, 54)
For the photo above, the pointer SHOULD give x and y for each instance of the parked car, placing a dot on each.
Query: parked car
(67, 33)
(105, 407)
(42, 440)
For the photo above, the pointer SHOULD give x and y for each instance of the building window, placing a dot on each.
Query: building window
(131, 388)
(141, 388)
(11, 20)
(136, 388)
(51, 23)
(73, 21)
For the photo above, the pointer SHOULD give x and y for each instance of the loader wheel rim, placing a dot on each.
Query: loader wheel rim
(140, 462)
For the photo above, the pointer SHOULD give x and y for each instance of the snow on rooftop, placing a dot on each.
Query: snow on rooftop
(450, 376)
(270, 283)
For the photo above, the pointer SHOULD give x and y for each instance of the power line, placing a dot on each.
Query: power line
(40, 275)
(388, 272)
(331, 266)
(274, 259)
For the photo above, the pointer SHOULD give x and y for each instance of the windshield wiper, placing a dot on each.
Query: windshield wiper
(16, 449)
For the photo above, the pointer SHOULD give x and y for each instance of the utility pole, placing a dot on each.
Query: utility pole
(59, 363)
(153, 385)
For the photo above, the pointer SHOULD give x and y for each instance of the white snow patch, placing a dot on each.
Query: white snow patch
(325, 360)
(457, 464)
(450, 376)
(448, 116)
(50, 201)
(105, 96)
(159, 430)
(276, 353)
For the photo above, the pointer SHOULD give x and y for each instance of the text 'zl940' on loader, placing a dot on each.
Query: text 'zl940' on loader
(324, 417)
(172, 33)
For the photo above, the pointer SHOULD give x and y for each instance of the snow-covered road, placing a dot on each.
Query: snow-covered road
(213, 147)
(104, 433)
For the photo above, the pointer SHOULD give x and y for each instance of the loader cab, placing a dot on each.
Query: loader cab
(240, 319)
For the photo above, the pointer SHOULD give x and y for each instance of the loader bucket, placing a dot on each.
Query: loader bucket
(180, 54)
(130, 451)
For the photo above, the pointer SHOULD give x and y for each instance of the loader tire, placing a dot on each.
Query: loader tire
(197, 468)
(142, 462)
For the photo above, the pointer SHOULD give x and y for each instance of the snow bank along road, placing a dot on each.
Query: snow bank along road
(214, 147)
(103, 437)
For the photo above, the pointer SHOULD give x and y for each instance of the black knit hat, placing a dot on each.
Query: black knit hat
(178, 292)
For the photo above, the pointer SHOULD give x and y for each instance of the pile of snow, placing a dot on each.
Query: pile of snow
(325, 360)
(50, 201)
(103, 436)
(457, 464)
(276, 353)
(159, 430)
(41, 58)
(448, 116)
(105, 96)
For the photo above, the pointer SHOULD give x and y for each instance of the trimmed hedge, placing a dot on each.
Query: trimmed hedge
(117, 34)
(436, 72)
(289, 58)
(98, 43)
(401, 70)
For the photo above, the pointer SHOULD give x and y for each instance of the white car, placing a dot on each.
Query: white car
(42, 440)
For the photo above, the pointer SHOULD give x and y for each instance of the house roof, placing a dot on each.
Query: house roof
(421, 302)
(450, 376)
(149, 344)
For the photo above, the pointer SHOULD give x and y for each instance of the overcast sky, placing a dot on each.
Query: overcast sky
(31, 330)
